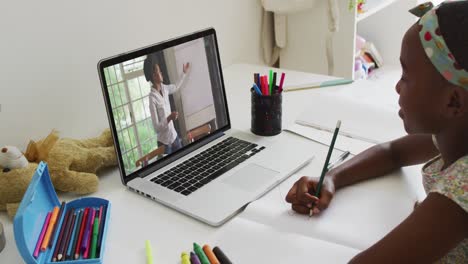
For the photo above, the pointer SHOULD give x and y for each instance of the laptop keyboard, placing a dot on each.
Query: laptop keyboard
(206, 166)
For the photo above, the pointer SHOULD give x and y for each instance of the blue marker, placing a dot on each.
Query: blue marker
(257, 89)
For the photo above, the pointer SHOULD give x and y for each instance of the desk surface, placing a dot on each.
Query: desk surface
(334, 236)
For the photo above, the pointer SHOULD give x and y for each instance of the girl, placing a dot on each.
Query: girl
(433, 93)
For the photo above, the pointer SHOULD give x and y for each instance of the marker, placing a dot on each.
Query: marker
(194, 258)
(42, 234)
(280, 88)
(257, 79)
(201, 255)
(325, 165)
(257, 89)
(270, 81)
(95, 237)
(149, 252)
(211, 256)
(185, 258)
(50, 228)
(274, 82)
(59, 216)
(221, 256)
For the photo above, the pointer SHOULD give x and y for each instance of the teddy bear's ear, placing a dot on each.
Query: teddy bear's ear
(45, 145)
(31, 152)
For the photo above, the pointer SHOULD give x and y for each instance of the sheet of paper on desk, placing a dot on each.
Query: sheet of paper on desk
(358, 216)
(245, 241)
(360, 120)
(342, 143)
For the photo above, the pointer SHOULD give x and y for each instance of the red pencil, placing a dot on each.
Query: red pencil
(80, 237)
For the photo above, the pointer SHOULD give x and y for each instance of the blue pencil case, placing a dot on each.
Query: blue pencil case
(40, 199)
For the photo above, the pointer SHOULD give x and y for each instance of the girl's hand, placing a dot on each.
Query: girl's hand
(186, 67)
(302, 197)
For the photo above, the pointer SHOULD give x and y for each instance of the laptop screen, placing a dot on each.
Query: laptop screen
(164, 98)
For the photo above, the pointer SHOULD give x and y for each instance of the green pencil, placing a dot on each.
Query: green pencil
(327, 160)
(94, 239)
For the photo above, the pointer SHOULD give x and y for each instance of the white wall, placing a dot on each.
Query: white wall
(49, 50)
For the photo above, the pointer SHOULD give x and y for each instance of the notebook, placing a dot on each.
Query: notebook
(169, 118)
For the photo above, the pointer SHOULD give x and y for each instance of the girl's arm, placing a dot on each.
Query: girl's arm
(384, 158)
(171, 88)
(436, 226)
(372, 163)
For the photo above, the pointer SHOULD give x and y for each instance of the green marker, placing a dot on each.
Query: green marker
(201, 255)
(95, 236)
(270, 81)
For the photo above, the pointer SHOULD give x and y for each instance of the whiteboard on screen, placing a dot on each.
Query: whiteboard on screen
(196, 94)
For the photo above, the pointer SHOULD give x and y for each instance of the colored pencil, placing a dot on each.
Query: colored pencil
(95, 237)
(80, 236)
(74, 234)
(66, 236)
(325, 165)
(50, 227)
(89, 230)
(59, 217)
(59, 239)
(42, 234)
(102, 223)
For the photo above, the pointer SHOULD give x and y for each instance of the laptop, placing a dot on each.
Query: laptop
(169, 119)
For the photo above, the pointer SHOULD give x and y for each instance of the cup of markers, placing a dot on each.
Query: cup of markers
(266, 104)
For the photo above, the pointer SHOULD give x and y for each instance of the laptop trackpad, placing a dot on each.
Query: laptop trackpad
(251, 177)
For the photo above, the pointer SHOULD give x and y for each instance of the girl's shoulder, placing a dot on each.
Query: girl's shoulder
(451, 182)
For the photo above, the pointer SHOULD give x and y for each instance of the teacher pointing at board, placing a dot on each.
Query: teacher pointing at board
(161, 114)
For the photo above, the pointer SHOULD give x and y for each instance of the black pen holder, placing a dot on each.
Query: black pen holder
(266, 113)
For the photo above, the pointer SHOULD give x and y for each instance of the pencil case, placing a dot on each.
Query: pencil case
(40, 199)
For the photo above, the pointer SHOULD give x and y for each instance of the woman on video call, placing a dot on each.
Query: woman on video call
(160, 108)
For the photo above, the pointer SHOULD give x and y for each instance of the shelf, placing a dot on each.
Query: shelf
(373, 6)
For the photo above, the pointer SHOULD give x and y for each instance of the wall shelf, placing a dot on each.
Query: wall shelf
(373, 6)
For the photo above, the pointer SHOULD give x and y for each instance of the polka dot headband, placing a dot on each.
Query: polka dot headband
(435, 47)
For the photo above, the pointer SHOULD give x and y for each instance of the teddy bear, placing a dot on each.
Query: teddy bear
(72, 166)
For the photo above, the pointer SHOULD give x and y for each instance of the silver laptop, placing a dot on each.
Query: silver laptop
(169, 118)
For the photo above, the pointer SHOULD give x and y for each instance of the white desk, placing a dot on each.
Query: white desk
(267, 231)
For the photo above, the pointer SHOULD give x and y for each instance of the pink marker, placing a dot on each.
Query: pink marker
(41, 236)
(280, 88)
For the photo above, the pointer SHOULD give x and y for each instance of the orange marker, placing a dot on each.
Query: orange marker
(53, 219)
(211, 256)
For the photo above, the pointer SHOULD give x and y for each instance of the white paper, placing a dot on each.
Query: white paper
(342, 143)
(359, 120)
(358, 216)
(244, 241)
